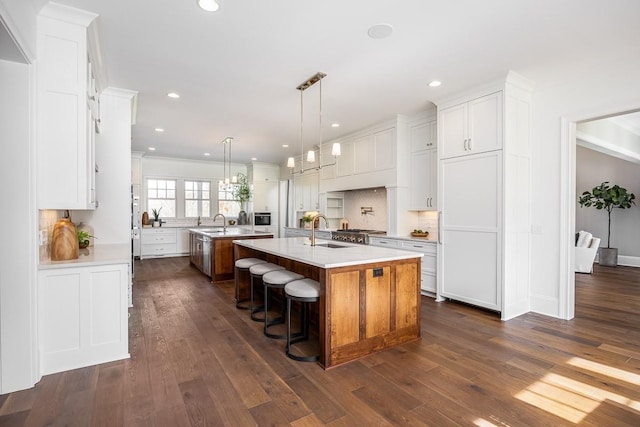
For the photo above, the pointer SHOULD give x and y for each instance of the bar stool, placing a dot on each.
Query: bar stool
(304, 291)
(276, 279)
(256, 272)
(242, 265)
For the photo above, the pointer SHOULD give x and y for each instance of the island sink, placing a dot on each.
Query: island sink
(331, 245)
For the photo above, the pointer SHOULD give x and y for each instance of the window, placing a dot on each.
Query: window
(226, 204)
(197, 199)
(161, 194)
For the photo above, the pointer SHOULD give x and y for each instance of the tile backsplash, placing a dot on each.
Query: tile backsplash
(374, 198)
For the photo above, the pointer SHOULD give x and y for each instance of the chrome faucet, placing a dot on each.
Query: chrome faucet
(313, 227)
(224, 221)
(199, 221)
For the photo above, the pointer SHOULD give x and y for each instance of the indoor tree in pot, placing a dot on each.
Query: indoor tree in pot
(242, 194)
(607, 197)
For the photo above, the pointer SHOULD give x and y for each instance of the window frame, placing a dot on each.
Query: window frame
(200, 199)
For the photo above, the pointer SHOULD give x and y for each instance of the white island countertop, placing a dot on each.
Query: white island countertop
(93, 255)
(299, 249)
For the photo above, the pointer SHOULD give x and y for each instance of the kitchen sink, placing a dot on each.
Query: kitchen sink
(331, 245)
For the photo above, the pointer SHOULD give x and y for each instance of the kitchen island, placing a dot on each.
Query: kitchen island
(369, 296)
(211, 249)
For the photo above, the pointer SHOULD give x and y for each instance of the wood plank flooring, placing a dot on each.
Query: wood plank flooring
(198, 361)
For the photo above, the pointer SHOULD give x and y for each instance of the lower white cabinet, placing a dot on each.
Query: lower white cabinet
(159, 242)
(82, 316)
(182, 241)
(428, 264)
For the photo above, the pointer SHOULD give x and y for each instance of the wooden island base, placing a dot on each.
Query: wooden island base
(363, 308)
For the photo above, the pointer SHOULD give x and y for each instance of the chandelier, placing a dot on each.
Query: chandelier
(227, 179)
(311, 154)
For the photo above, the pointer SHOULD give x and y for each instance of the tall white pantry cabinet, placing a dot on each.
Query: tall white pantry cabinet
(484, 193)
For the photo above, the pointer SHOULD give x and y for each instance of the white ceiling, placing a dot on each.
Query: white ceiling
(237, 69)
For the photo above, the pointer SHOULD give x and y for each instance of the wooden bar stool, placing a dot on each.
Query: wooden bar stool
(276, 279)
(256, 272)
(304, 291)
(242, 265)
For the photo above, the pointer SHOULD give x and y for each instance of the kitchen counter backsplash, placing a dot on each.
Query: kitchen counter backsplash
(374, 198)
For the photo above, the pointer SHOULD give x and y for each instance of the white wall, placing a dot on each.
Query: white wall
(111, 221)
(18, 250)
(607, 86)
(593, 168)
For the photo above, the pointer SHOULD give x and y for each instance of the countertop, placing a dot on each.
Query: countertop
(93, 255)
(431, 239)
(218, 232)
(298, 249)
(409, 238)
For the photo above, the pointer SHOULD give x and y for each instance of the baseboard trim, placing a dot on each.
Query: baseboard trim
(629, 261)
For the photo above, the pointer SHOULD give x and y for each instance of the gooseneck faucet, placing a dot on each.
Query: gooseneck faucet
(224, 221)
(313, 227)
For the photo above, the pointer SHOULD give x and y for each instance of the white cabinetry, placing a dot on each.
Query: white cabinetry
(424, 166)
(471, 127)
(182, 241)
(305, 189)
(471, 233)
(82, 316)
(159, 242)
(484, 194)
(428, 265)
(67, 110)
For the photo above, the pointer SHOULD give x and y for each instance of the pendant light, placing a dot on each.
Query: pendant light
(311, 154)
(230, 178)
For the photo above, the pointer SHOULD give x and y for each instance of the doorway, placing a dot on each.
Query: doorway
(568, 142)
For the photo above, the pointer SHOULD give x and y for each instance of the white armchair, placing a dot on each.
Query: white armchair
(585, 254)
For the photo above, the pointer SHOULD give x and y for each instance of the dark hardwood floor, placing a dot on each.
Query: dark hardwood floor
(196, 360)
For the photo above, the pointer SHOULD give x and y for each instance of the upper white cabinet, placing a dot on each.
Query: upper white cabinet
(68, 110)
(424, 180)
(424, 136)
(373, 157)
(265, 178)
(424, 165)
(471, 127)
(305, 188)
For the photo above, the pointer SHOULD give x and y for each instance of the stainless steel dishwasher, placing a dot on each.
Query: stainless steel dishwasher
(206, 255)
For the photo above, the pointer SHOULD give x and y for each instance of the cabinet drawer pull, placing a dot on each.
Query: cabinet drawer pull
(469, 143)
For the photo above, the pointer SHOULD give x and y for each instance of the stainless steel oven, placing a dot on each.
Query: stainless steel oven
(262, 218)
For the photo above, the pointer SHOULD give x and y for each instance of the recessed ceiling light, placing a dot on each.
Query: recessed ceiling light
(335, 125)
(435, 83)
(285, 145)
(254, 159)
(159, 130)
(152, 148)
(208, 5)
(173, 95)
(207, 154)
(380, 31)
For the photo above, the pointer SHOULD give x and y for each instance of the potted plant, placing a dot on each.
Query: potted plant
(607, 197)
(156, 217)
(242, 194)
(83, 238)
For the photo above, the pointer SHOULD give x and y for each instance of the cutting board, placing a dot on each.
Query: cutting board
(64, 242)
